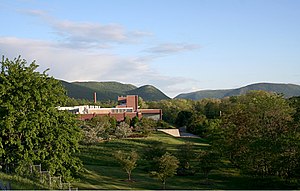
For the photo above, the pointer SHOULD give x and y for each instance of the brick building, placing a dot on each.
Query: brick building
(127, 107)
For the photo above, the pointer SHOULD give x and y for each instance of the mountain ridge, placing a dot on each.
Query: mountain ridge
(288, 90)
(111, 90)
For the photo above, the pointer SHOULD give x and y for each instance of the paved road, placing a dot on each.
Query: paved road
(183, 133)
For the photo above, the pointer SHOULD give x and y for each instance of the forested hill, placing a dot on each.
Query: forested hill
(288, 90)
(111, 91)
(150, 92)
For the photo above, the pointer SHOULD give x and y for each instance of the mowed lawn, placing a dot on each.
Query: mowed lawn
(101, 170)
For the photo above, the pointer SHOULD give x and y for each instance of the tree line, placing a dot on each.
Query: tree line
(32, 130)
(257, 132)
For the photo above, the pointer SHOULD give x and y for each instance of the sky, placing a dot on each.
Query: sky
(179, 46)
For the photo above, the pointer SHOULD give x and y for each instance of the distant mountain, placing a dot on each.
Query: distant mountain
(288, 90)
(111, 91)
(204, 94)
(114, 87)
(77, 91)
(148, 93)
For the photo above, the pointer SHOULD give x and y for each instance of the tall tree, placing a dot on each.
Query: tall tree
(256, 131)
(168, 165)
(127, 161)
(32, 129)
(123, 130)
(208, 161)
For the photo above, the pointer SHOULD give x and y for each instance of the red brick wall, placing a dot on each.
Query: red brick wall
(118, 116)
(132, 101)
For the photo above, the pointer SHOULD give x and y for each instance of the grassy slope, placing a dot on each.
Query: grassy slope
(18, 183)
(103, 172)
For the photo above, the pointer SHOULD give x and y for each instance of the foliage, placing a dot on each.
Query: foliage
(146, 126)
(123, 130)
(183, 118)
(197, 124)
(186, 155)
(162, 124)
(96, 129)
(127, 161)
(134, 121)
(257, 132)
(127, 120)
(288, 90)
(152, 153)
(107, 91)
(295, 103)
(32, 129)
(148, 93)
(142, 103)
(171, 108)
(208, 161)
(168, 165)
(212, 110)
(103, 172)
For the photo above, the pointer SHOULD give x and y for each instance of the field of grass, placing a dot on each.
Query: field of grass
(20, 183)
(101, 170)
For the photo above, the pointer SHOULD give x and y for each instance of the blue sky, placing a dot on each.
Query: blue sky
(178, 46)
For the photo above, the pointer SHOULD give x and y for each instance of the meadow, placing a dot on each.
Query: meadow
(102, 171)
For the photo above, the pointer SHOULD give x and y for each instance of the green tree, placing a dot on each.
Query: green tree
(123, 130)
(295, 103)
(171, 108)
(97, 129)
(32, 129)
(254, 133)
(186, 155)
(168, 165)
(183, 118)
(212, 110)
(134, 121)
(142, 103)
(197, 124)
(127, 161)
(208, 161)
(127, 120)
(152, 153)
(146, 126)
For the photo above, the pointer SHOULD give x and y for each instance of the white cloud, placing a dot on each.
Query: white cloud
(77, 54)
(88, 34)
(170, 48)
(34, 12)
(76, 65)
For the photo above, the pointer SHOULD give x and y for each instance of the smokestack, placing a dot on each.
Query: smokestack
(95, 97)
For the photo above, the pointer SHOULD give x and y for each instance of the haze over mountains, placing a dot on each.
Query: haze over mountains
(111, 90)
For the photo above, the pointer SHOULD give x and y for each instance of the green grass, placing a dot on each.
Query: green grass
(18, 183)
(103, 172)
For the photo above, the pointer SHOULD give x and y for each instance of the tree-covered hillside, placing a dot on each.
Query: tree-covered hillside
(149, 93)
(111, 90)
(288, 90)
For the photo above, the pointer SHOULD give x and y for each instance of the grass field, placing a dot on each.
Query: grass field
(101, 170)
